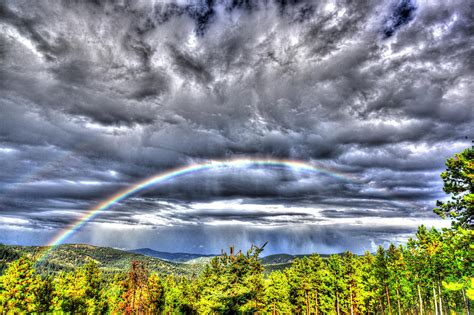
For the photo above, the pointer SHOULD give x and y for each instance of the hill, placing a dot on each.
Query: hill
(174, 257)
(110, 260)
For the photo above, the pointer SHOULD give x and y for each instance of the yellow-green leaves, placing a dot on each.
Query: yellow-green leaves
(459, 184)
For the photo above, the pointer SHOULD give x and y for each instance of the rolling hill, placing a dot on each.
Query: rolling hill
(173, 257)
(110, 260)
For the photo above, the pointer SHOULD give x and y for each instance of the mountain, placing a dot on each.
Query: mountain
(287, 258)
(277, 259)
(173, 257)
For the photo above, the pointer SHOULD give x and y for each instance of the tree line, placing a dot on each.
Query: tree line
(431, 274)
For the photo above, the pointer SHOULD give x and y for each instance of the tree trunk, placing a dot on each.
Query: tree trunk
(316, 304)
(398, 302)
(388, 299)
(440, 299)
(421, 300)
(352, 310)
(308, 310)
(434, 301)
(274, 309)
(337, 303)
(466, 302)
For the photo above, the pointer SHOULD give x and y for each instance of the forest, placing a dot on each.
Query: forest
(431, 274)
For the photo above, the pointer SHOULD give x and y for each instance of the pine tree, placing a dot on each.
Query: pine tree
(114, 294)
(340, 287)
(457, 257)
(382, 274)
(416, 265)
(459, 183)
(21, 288)
(277, 294)
(369, 281)
(190, 291)
(301, 284)
(135, 297)
(321, 279)
(155, 300)
(234, 283)
(80, 291)
(353, 279)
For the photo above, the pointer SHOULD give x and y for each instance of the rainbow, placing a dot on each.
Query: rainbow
(182, 171)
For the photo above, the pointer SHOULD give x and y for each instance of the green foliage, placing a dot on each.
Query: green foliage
(311, 285)
(174, 298)
(22, 289)
(470, 289)
(277, 293)
(114, 295)
(233, 283)
(433, 271)
(80, 292)
(155, 294)
(459, 183)
(7, 254)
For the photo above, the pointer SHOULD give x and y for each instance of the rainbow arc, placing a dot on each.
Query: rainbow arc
(179, 172)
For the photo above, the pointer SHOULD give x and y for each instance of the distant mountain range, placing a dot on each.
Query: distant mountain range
(174, 257)
(111, 260)
(203, 258)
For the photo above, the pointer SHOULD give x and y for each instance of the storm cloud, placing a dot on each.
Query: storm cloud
(98, 95)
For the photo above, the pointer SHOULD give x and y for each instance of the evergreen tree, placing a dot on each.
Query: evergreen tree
(382, 274)
(173, 296)
(136, 294)
(155, 294)
(7, 254)
(234, 283)
(191, 294)
(301, 284)
(321, 279)
(353, 280)
(369, 281)
(81, 291)
(21, 289)
(397, 273)
(277, 294)
(456, 256)
(115, 294)
(340, 287)
(459, 183)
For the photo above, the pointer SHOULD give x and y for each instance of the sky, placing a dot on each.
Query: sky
(98, 95)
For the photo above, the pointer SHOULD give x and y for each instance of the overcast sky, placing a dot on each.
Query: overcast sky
(97, 95)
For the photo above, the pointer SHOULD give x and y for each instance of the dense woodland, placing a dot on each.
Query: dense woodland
(431, 274)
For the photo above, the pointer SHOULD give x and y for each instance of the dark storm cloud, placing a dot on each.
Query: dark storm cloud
(97, 95)
(403, 13)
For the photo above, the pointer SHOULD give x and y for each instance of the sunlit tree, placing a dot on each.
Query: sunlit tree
(459, 184)
(21, 288)
(277, 294)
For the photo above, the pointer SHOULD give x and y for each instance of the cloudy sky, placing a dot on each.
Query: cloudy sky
(97, 95)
